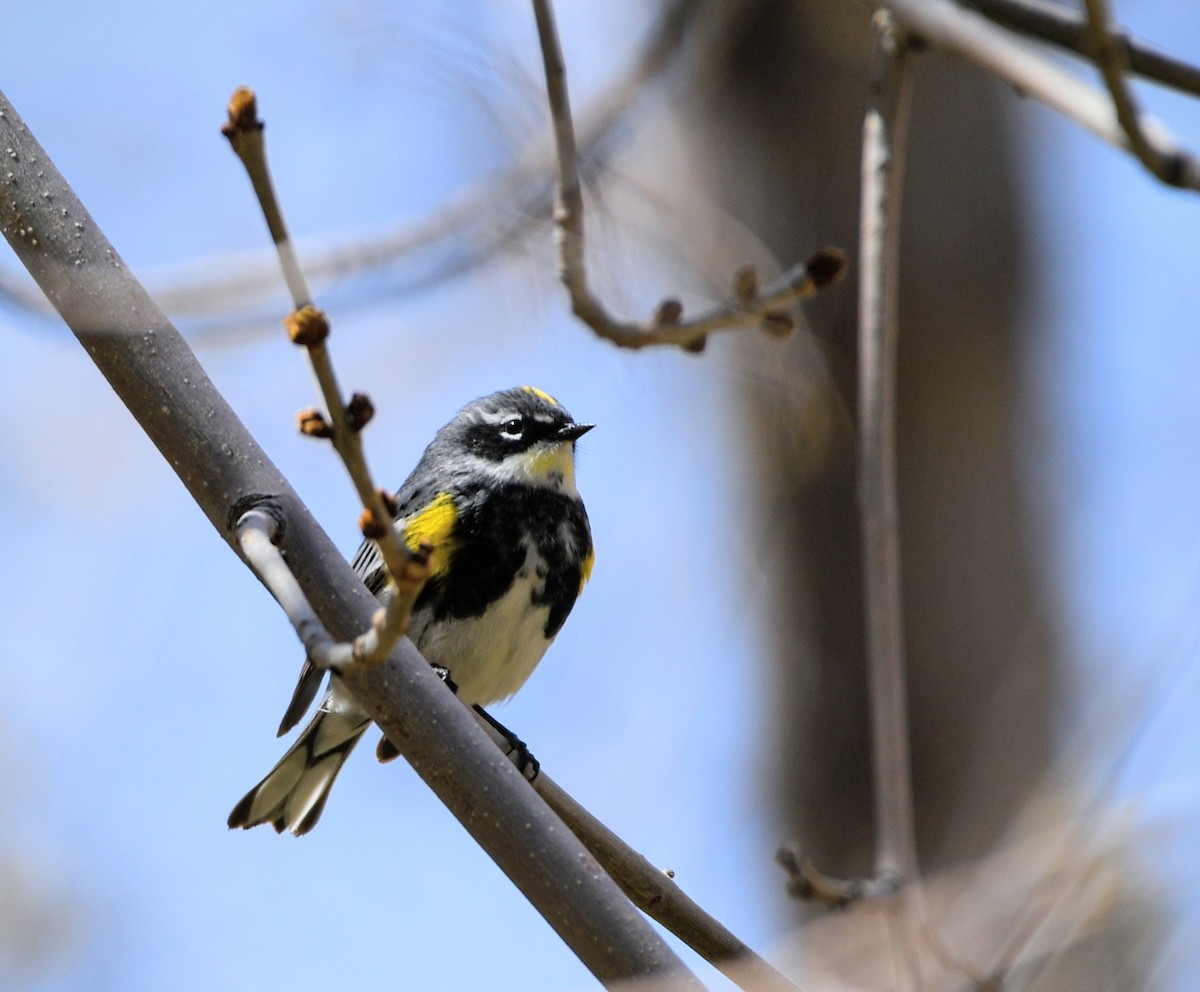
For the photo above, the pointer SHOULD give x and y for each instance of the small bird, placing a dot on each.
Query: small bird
(494, 495)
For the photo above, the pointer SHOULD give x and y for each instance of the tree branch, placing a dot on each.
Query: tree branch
(659, 897)
(969, 36)
(159, 380)
(1171, 165)
(307, 327)
(885, 131)
(1061, 26)
(749, 308)
(470, 229)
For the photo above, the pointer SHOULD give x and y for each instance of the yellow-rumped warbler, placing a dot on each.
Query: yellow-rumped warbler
(495, 496)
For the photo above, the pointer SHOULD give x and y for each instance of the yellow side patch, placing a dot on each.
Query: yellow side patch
(585, 568)
(541, 395)
(434, 525)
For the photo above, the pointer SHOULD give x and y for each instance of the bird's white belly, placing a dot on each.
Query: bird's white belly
(491, 656)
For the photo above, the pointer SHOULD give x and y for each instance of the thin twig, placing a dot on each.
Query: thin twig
(971, 37)
(748, 308)
(307, 326)
(472, 228)
(657, 895)
(257, 531)
(1063, 27)
(806, 882)
(884, 134)
(1169, 164)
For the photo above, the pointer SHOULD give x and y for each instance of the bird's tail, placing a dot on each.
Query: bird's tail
(293, 793)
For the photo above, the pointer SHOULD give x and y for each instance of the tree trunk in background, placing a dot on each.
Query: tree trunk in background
(777, 116)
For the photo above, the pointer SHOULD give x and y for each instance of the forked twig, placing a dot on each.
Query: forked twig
(1170, 164)
(884, 132)
(972, 37)
(1061, 26)
(308, 327)
(749, 307)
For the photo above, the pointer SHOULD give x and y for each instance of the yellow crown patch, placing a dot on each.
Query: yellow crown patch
(541, 395)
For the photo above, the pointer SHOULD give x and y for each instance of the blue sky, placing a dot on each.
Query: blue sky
(147, 669)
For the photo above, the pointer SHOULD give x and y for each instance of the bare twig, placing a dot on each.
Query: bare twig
(970, 36)
(1169, 164)
(165, 388)
(257, 530)
(884, 133)
(807, 883)
(657, 895)
(1065, 28)
(307, 326)
(747, 309)
(469, 230)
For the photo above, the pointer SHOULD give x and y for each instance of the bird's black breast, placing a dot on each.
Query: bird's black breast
(491, 542)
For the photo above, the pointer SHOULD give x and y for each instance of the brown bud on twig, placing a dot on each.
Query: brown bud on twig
(359, 411)
(745, 285)
(312, 423)
(243, 113)
(307, 327)
(370, 525)
(668, 312)
(696, 345)
(826, 265)
(778, 323)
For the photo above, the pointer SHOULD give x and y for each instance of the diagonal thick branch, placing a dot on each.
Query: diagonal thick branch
(159, 380)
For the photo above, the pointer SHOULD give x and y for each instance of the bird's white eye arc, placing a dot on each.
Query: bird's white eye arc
(512, 429)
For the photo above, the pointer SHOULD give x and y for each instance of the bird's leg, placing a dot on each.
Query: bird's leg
(517, 749)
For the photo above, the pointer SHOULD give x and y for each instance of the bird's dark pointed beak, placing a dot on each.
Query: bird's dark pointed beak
(571, 432)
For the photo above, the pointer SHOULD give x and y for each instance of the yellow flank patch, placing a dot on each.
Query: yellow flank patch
(434, 525)
(585, 568)
(541, 395)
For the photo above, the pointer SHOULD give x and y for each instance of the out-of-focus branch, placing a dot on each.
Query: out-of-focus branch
(970, 36)
(1063, 27)
(885, 130)
(307, 326)
(748, 308)
(807, 883)
(885, 134)
(1171, 165)
(165, 388)
(469, 230)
